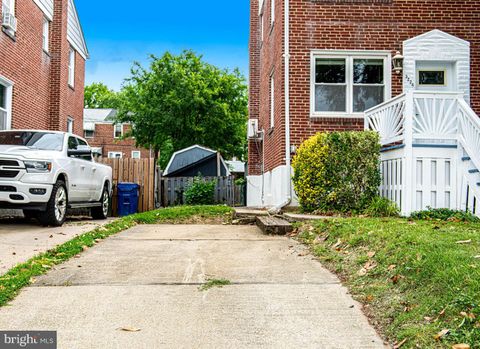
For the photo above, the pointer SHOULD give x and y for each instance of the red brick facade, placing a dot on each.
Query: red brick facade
(104, 138)
(339, 25)
(42, 98)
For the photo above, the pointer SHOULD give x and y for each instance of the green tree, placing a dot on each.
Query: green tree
(98, 95)
(180, 100)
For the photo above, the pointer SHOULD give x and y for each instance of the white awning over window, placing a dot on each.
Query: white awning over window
(89, 126)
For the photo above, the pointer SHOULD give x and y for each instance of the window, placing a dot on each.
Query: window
(8, 6)
(272, 101)
(432, 78)
(261, 27)
(115, 155)
(5, 104)
(118, 131)
(45, 34)
(272, 12)
(83, 144)
(69, 125)
(136, 154)
(349, 83)
(89, 133)
(71, 68)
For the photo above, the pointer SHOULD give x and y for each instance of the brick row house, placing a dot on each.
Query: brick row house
(42, 65)
(409, 69)
(108, 139)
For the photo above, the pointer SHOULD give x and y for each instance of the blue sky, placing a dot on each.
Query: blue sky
(119, 32)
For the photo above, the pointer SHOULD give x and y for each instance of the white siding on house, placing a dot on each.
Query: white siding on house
(46, 6)
(438, 46)
(74, 31)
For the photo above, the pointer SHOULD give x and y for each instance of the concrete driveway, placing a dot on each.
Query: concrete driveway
(147, 279)
(21, 239)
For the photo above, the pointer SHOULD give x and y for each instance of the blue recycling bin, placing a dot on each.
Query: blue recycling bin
(127, 195)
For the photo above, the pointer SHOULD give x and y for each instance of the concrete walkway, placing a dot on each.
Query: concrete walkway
(21, 239)
(147, 279)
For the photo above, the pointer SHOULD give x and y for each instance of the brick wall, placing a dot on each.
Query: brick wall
(41, 97)
(104, 138)
(349, 25)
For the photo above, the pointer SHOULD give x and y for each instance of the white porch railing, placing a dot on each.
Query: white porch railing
(417, 125)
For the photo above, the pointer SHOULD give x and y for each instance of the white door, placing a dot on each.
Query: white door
(436, 76)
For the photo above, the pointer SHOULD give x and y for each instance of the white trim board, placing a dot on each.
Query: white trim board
(75, 34)
(47, 7)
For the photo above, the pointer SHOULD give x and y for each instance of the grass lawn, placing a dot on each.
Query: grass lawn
(419, 280)
(23, 274)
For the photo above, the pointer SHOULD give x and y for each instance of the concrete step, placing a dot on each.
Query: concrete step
(473, 171)
(466, 158)
(273, 225)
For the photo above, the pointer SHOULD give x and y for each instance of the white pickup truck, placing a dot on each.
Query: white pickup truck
(45, 172)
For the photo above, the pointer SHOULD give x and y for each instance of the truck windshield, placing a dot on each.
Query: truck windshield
(34, 140)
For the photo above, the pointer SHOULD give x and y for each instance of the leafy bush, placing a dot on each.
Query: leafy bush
(200, 192)
(382, 207)
(337, 171)
(444, 214)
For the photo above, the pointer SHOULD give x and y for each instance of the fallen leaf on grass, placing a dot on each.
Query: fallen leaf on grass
(371, 254)
(441, 334)
(369, 298)
(427, 318)
(460, 346)
(396, 278)
(391, 267)
(129, 329)
(339, 242)
(464, 242)
(399, 345)
(477, 257)
(471, 316)
(362, 272)
(442, 312)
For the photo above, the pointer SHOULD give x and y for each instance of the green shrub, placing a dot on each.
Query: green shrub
(444, 214)
(200, 192)
(382, 207)
(337, 171)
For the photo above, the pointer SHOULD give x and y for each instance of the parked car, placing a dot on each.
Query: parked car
(45, 172)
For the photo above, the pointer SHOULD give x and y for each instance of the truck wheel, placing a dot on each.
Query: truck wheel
(56, 212)
(101, 212)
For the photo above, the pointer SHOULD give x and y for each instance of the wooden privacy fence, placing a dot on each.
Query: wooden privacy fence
(140, 171)
(226, 191)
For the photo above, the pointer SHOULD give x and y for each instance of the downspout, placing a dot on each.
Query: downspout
(288, 159)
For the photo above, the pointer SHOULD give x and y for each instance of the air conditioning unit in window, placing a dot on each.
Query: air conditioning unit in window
(9, 21)
(252, 128)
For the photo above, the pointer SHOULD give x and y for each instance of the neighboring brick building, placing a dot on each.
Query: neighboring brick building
(337, 60)
(42, 65)
(107, 138)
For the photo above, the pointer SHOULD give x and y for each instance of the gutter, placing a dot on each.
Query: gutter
(288, 159)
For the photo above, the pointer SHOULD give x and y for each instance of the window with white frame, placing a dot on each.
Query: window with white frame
(350, 83)
(45, 34)
(71, 67)
(261, 27)
(70, 125)
(136, 154)
(272, 12)
(5, 105)
(8, 7)
(272, 100)
(115, 155)
(118, 131)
